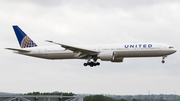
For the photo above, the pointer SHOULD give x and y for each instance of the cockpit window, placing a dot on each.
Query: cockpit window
(171, 47)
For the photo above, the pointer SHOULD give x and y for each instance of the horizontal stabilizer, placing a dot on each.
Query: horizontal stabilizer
(20, 50)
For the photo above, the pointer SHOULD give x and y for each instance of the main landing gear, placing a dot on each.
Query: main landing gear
(163, 61)
(91, 63)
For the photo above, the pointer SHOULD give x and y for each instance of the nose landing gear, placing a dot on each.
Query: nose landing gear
(163, 61)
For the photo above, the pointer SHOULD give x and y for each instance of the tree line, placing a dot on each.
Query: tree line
(92, 97)
(104, 98)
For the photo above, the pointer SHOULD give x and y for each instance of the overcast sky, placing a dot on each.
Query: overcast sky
(90, 22)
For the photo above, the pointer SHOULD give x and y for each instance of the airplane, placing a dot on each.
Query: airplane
(91, 53)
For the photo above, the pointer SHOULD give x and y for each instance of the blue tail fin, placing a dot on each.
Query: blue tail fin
(24, 40)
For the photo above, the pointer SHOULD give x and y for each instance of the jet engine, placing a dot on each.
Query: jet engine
(110, 56)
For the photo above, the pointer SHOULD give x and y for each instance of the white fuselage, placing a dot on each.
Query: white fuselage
(119, 50)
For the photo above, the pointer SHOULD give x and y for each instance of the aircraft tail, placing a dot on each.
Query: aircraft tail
(24, 40)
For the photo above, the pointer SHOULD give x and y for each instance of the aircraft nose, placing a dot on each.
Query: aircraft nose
(173, 51)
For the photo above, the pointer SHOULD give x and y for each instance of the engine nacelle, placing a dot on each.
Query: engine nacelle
(110, 56)
(117, 59)
(106, 56)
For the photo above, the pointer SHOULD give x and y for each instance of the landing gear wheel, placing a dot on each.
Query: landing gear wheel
(88, 63)
(91, 64)
(94, 64)
(98, 63)
(163, 61)
(85, 64)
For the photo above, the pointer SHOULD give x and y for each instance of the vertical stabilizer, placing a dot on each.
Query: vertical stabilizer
(24, 40)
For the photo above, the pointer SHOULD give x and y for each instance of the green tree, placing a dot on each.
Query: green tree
(122, 99)
(98, 98)
(135, 99)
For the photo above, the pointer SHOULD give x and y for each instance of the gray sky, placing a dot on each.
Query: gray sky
(88, 22)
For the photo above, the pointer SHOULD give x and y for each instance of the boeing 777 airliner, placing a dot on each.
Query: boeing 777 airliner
(104, 52)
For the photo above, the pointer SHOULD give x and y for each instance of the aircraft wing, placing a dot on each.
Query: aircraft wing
(20, 50)
(84, 52)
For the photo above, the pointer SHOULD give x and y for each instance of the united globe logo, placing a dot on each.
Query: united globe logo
(27, 42)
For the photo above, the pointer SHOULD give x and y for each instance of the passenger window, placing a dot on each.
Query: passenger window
(171, 47)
